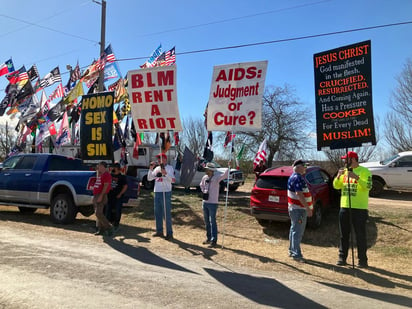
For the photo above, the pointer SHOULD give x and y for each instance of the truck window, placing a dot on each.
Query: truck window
(11, 163)
(26, 163)
(66, 164)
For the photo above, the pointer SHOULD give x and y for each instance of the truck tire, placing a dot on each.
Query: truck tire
(27, 210)
(148, 185)
(63, 210)
(377, 187)
(316, 220)
(86, 211)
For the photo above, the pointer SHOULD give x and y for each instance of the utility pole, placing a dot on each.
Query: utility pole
(102, 40)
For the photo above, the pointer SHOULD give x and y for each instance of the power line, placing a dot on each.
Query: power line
(280, 40)
(233, 19)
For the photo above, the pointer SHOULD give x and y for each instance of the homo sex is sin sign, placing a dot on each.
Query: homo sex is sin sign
(235, 99)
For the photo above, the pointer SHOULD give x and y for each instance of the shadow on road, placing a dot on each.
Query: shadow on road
(264, 291)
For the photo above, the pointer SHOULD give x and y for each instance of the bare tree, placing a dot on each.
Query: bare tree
(398, 124)
(8, 137)
(285, 124)
(194, 135)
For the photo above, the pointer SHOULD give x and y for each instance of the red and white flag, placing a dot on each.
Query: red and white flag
(261, 154)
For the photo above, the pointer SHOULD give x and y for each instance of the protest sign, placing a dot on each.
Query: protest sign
(96, 127)
(235, 100)
(153, 97)
(343, 86)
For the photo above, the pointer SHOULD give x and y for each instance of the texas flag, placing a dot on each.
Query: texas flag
(6, 67)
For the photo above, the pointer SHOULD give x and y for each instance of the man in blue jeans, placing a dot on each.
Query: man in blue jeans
(115, 196)
(209, 186)
(163, 174)
(300, 207)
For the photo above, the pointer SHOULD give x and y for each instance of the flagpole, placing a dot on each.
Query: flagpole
(227, 190)
(102, 41)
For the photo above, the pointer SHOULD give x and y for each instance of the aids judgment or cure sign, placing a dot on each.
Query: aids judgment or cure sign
(235, 99)
(343, 85)
(153, 98)
(96, 127)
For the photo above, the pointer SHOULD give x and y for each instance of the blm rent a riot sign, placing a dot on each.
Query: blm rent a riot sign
(153, 97)
(343, 85)
(96, 127)
(235, 99)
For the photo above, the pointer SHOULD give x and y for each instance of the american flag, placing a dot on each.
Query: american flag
(51, 78)
(170, 57)
(75, 74)
(109, 54)
(261, 154)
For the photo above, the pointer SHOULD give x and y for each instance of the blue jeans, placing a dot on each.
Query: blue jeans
(159, 211)
(209, 215)
(297, 229)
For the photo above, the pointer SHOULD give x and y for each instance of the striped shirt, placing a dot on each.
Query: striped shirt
(296, 183)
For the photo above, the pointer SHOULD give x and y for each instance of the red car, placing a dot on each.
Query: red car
(269, 197)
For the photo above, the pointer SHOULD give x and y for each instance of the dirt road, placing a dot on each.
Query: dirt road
(44, 266)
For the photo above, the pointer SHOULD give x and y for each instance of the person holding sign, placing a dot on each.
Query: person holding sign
(163, 174)
(300, 207)
(354, 181)
(210, 189)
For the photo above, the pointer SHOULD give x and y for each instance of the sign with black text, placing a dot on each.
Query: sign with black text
(343, 86)
(96, 127)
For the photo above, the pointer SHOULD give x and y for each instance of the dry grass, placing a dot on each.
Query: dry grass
(247, 244)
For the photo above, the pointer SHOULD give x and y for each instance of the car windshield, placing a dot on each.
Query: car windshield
(272, 182)
(389, 160)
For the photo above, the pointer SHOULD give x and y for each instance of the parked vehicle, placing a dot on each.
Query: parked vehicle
(236, 178)
(269, 199)
(394, 173)
(38, 180)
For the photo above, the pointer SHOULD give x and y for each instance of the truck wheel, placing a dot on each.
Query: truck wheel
(316, 220)
(377, 188)
(27, 210)
(63, 210)
(86, 211)
(148, 185)
(233, 188)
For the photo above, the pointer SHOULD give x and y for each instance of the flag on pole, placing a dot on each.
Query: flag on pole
(64, 132)
(239, 156)
(33, 73)
(151, 61)
(7, 67)
(51, 78)
(261, 154)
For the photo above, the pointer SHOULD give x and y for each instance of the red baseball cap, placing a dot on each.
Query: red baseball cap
(350, 154)
(162, 155)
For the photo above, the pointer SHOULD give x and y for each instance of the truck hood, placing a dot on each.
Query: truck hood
(376, 164)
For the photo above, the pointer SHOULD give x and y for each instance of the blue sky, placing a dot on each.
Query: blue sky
(50, 33)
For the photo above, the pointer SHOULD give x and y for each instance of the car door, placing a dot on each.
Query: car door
(401, 171)
(6, 174)
(23, 180)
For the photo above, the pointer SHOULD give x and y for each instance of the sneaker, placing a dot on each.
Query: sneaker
(213, 244)
(206, 242)
(341, 262)
(169, 237)
(98, 232)
(299, 259)
(157, 234)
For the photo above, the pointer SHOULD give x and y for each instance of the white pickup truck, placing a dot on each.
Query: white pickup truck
(236, 178)
(393, 173)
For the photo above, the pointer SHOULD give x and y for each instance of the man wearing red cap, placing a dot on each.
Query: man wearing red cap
(163, 174)
(354, 181)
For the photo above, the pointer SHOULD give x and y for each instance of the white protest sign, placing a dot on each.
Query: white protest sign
(235, 100)
(153, 99)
